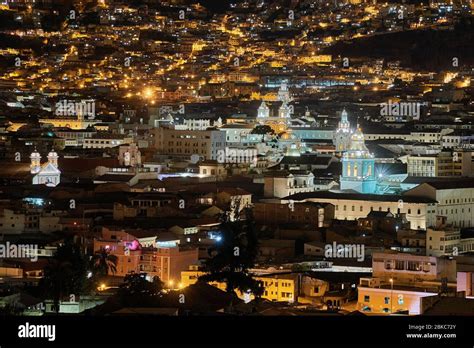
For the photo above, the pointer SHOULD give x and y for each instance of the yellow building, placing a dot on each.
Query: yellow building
(278, 287)
(69, 122)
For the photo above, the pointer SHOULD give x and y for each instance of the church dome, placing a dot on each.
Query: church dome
(357, 146)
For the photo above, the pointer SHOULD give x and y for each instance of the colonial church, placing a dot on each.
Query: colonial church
(280, 122)
(358, 166)
(45, 174)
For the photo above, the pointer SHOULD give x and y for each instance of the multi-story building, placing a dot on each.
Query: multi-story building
(277, 287)
(446, 240)
(12, 222)
(283, 183)
(166, 262)
(454, 200)
(353, 206)
(208, 144)
(106, 140)
(318, 215)
(400, 281)
(457, 163)
(74, 137)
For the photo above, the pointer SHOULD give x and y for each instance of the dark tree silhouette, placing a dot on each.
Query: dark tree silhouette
(137, 284)
(65, 273)
(263, 130)
(235, 253)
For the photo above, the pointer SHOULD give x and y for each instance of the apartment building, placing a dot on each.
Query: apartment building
(165, 262)
(446, 240)
(106, 140)
(207, 144)
(400, 281)
(457, 163)
(454, 200)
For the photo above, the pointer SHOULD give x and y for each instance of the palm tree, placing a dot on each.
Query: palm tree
(103, 263)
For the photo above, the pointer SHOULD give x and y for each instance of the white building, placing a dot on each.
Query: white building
(454, 200)
(288, 182)
(444, 240)
(47, 173)
(352, 206)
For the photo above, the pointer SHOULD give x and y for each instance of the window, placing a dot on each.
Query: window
(413, 266)
(399, 265)
(366, 298)
(387, 300)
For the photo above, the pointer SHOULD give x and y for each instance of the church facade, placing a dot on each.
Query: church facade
(45, 174)
(279, 123)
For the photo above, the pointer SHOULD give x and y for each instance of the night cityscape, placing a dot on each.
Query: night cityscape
(237, 160)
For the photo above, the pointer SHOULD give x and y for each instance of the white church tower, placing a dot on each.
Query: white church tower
(35, 166)
(342, 135)
(284, 111)
(284, 93)
(263, 112)
(53, 158)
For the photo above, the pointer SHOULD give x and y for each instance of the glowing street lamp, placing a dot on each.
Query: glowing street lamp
(391, 295)
(148, 93)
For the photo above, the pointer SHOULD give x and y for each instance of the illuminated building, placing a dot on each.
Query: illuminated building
(401, 281)
(277, 287)
(281, 122)
(342, 134)
(358, 164)
(207, 144)
(48, 173)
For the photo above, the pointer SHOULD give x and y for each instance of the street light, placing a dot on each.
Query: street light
(391, 295)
